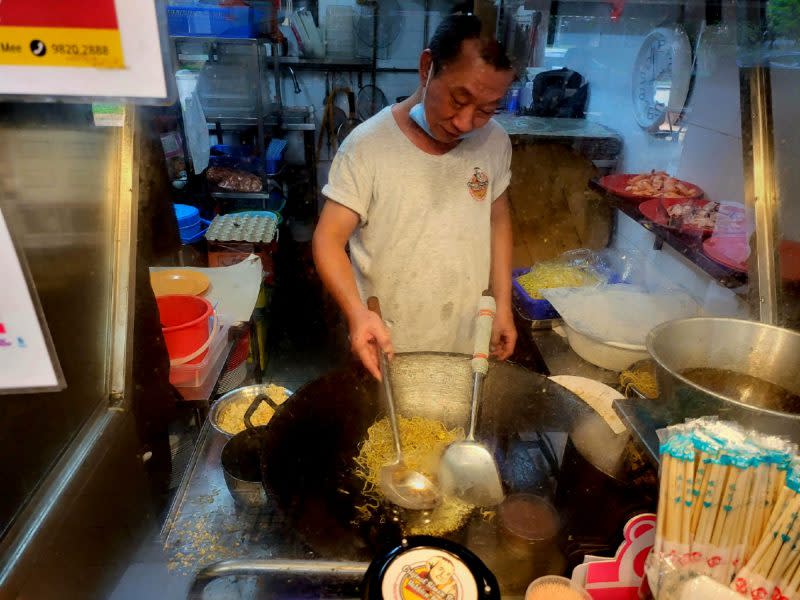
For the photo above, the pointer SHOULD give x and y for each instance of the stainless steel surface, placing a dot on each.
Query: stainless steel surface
(204, 524)
(760, 194)
(514, 398)
(245, 394)
(345, 571)
(67, 192)
(401, 485)
(764, 351)
(126, 175)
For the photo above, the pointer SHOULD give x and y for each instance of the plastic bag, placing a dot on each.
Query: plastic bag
(623, 314)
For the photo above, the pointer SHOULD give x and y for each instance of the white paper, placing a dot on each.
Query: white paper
(25, 360)
(233, 290)
(142, 77)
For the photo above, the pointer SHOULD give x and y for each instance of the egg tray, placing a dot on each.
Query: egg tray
(257, 226)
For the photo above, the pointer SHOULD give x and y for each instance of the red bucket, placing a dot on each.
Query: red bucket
(185, 324)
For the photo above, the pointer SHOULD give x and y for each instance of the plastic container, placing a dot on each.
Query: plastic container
(195, 376)
(613, 356)
(554, 587)
(339, 34)
(186, 329)
(528, 526)
(190, 225)
(273, 159)
(540, 309)
(214, 20)
(233, 157)
(531, 308)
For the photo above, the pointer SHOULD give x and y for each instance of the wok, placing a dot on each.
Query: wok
(311, 441)
(748, 347)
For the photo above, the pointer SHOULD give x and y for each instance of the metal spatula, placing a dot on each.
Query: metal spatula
(468, 470)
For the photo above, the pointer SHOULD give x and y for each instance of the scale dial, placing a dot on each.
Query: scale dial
(661, 77)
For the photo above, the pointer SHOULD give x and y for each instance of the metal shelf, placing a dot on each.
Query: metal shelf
(327, 64)
(688, 245)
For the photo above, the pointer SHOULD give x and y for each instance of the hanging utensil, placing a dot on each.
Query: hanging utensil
(401, 485)
(371, 100)
(333, 118)
(468, 470)
(352, 119)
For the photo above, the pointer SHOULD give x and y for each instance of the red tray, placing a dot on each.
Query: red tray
(616, 184)
(655, 210)
(730, 251)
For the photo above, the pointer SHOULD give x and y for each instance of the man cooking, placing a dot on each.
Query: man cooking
(420, 192)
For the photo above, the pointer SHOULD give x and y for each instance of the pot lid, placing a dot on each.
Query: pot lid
(429, 568)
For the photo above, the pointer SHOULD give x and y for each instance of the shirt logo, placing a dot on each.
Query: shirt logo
(478, 184)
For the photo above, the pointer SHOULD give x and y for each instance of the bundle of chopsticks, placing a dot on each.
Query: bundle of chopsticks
(728, 507)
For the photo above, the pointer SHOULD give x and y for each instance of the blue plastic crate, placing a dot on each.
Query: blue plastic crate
(217, 21)
(531, 308)
(540, 310)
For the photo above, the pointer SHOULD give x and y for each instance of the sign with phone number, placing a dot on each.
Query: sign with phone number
(60, 33)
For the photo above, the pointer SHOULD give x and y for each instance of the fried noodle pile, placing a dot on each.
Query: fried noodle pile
(423, 442)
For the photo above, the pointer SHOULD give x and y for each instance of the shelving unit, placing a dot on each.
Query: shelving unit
(688, 245)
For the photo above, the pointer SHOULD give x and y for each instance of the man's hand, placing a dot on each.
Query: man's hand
(368, 334)
(504, 334)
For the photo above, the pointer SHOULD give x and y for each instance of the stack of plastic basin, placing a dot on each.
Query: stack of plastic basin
(192, 228)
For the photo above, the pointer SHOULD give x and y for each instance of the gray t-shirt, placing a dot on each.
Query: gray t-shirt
(423, 246)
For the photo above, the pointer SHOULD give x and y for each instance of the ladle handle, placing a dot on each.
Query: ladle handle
(487, 307)
(374, 305)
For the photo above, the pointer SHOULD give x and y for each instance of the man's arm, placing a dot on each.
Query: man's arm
(367, 330)
(504, 334)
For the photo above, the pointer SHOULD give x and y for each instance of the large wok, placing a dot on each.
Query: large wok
(748, 347)
(310, 443)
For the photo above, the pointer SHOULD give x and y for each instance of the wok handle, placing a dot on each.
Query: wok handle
(374, 305)
(251, 410)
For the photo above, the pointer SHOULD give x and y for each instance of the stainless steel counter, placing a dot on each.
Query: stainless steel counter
(204, 525)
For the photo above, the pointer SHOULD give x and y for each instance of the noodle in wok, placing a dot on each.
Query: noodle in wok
(423, 442)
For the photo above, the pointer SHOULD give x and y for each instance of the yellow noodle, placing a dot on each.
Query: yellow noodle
(423, 442)
(555, 275)
(642, 377)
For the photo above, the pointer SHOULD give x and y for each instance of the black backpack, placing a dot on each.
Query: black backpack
(560, 93)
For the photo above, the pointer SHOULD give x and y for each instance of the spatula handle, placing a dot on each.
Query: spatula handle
(483, 334)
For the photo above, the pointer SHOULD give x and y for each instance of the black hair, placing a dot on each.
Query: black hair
(445, 45)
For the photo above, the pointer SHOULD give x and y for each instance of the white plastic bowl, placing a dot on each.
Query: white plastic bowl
(608, 355)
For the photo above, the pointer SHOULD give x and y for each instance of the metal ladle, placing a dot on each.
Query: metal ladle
(468, 470)
(402, 486)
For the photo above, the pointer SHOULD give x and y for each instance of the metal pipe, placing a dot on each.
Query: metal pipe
(340, 570)
(760, 189)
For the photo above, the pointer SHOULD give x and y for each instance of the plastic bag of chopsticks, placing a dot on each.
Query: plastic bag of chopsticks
(773, 570)
(719, 486)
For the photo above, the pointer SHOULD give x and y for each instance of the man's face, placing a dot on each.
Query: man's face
(464, 94)
(441, 573)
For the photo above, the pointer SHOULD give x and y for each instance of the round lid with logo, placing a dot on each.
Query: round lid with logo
(429, 568)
